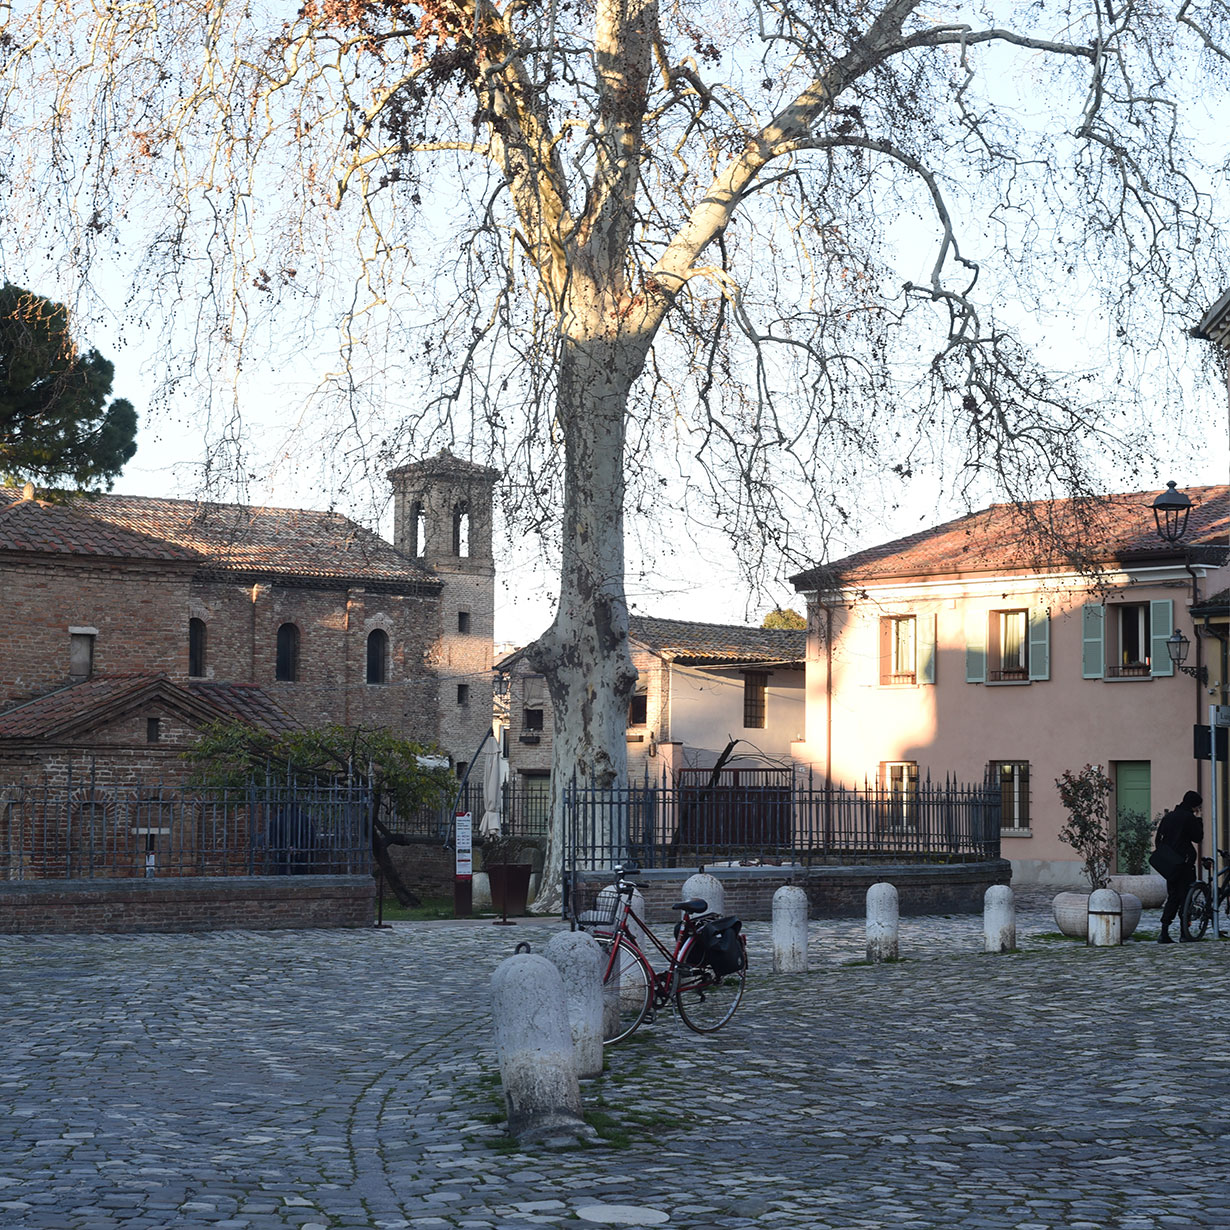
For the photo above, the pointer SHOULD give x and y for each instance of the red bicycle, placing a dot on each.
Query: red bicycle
(705, 970)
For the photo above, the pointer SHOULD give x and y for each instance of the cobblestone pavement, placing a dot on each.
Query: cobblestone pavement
(320, 1079)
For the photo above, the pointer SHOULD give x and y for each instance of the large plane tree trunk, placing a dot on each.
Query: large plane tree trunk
(584, 655)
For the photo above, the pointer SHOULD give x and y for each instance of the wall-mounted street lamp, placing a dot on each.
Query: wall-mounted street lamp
(1170, 511)
(1176, 647)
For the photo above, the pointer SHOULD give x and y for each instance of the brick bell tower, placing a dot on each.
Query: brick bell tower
(442, 516)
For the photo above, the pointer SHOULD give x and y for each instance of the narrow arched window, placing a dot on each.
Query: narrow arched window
(461, 530)
(196, 647)
(378, 656)
(287, 670)
(418, 529)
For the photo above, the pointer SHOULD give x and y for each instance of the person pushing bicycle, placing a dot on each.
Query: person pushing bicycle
(1180, 833)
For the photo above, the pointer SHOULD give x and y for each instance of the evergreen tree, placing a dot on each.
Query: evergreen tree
(55, 421)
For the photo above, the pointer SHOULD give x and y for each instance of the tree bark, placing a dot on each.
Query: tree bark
(584, 655)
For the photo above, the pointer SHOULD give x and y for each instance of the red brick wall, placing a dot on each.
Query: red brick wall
(137, 612)
(206, 904)
(142, 615)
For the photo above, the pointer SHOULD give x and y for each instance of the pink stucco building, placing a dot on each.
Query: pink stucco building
(983, 646)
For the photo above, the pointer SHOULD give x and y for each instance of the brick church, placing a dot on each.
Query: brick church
(127, 624)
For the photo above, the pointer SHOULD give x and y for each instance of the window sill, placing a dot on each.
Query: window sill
(1132, 678)
(1015, 833)
(529, 738)
(634, 738)
(1010, 683)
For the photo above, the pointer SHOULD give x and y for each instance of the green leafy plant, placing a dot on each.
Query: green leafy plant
(400, 776)
(1135, 840)
(1085, 795)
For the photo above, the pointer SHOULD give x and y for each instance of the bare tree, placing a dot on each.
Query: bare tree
(781, 244)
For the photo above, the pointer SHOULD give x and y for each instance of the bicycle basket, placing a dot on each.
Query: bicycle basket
(718, 945)
(602, 916)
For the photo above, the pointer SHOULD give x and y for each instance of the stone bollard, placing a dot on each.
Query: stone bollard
(999, 919)
(579, 960)
(789, 930)
(533, 1046)
(1105, 919)
(881, 923)
(480, 892)
(708, 888)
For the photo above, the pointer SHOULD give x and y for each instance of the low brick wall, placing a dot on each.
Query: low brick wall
(832, 892)
(205, 903)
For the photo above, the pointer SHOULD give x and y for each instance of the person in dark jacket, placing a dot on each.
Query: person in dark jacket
(1183, 831)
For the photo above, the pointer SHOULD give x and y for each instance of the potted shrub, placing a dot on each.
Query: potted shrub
(1086, 797)
(508, 864)
(1135, 840)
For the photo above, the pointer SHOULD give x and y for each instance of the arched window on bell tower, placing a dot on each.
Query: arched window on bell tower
(461, 530)
(418, 529)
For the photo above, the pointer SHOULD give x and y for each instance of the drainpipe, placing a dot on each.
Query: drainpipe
(1201, 716)
(828, 692)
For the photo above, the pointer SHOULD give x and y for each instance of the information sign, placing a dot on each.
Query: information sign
(465, 844)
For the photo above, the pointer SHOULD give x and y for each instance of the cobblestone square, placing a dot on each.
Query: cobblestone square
(254, 1081)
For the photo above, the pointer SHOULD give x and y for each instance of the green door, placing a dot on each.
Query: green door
(1132, 792)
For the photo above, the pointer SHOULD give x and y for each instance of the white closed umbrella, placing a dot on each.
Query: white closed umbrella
(493, 773)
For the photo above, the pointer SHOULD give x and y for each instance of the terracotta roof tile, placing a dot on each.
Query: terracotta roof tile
(685, 640)
(216, 537)
(70, 707)
(1010, 537)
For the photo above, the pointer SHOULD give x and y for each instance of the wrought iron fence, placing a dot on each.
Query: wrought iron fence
(51, 831)
(524, 812)
(780, 818)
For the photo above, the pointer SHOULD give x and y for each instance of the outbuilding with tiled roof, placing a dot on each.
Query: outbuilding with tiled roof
(703, 692)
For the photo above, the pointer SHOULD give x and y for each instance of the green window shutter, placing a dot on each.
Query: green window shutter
(1161, 625)
(1093, 647)
(925, 628)
(1039, 644)
(976, 650)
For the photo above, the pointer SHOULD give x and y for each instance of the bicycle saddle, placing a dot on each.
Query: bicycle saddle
(694, 906)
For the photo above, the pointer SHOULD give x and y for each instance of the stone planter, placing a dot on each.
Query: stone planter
(510, 887)
(1071, 911)
(1150, 888)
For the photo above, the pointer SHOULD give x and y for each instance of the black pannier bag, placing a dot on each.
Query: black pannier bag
(717, 944)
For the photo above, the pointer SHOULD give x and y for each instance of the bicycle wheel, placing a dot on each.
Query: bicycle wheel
(707, 1000)
(626, 991)
(1197, 910)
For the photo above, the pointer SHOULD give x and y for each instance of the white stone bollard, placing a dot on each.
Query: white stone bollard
(480, 892)
(882, 914)
(708, 888)
(1105, 919)
(533, 1046)
(579, 959)
(789, 930)
(999, 919)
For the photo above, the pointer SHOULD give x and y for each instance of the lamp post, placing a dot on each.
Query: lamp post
(1170, 511)
(1176, 647)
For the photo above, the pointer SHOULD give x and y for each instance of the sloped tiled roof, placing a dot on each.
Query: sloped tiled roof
(232, 538)
(92, 702)
(714, 644)
(685, 641)
(1046, 533)
(445, 465)
(1215, 604)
